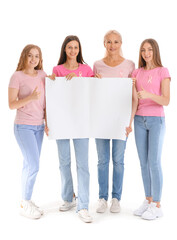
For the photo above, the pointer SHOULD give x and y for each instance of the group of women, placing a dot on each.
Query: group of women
(151, 91)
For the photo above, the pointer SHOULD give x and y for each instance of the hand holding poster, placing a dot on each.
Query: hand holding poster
(88, 107)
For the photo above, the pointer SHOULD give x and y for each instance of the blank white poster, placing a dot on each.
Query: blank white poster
(88, 107)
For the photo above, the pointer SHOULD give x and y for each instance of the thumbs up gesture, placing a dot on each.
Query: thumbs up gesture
(35, 94)
(143, 94)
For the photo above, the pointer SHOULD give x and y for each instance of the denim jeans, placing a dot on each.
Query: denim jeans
(103, 150)
(149, 136)
(29, 139)
(83, 176)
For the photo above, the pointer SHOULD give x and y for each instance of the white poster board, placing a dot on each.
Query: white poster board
(88, 107)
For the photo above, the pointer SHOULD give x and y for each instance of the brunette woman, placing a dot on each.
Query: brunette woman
(71, 64)
(153, 86)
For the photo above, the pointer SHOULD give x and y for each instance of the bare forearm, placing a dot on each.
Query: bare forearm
(164, 99)
(134, 109)
(134, 104)
(161, 100)
(45, 117)
(16, 104)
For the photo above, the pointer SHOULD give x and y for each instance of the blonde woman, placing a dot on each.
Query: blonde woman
(112, 65)
(26, 94)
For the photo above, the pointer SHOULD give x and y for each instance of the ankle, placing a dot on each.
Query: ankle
(149, 199)
(157, 204)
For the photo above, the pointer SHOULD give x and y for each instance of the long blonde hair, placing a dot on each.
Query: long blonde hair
(23, 58)
(156, 53)
(118, 34)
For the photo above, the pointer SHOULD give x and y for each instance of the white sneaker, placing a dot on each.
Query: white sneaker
(27, 209)
(115, 206)
(38, 208)
(102, 205)
(67, 205)
(152, 212)
(84, 216)
(142, 208)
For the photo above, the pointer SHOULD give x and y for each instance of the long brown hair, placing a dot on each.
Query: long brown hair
(63, 56)
(23, 58)
(156, 53)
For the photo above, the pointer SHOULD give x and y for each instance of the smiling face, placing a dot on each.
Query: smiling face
(72, 49)
(33, 58)
(147, 52)
(113, 44)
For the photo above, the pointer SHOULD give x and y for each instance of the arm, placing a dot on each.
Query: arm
(134, 104)
(15, 103)
(164, 99)
(134, 109)
(46, 129)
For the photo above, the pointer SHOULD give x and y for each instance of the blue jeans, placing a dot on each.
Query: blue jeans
(29, 139)
(103, 150)
(83, 176)
(149, 136)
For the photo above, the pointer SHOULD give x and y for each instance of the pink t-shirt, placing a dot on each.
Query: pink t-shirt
(33, 112)
(150, 80)
(82, 71)
(122, 70)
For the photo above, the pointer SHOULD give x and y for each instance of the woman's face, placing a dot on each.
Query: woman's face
(113, 44)
(32, 58)
(147, 52)
(72, 49)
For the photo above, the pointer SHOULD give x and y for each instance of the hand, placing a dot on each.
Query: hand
(35, 95)
(46, 129)
(70, 76)
(143, 94)
(98, 75)
(52, 77)
(134, 81)
(128, 130)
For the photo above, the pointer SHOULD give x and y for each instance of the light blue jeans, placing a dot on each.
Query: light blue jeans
(103, 150)
(29, 139)
(149, 136)
(83, 176)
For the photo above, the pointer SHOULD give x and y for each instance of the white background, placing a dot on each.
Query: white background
(47, 24)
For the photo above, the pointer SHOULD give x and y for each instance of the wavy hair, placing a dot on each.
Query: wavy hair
(23, 58)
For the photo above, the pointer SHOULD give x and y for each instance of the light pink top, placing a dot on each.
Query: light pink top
(150, 80)
(33, 112)
(82, 71)
(122, 70)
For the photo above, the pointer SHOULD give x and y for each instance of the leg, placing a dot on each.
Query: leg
(103, 151)
(25, 136)
(65, 169)
(156, 137)
(39, 134)
(141, 138)
(83, 176)
(156, 127)
(118, 150)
